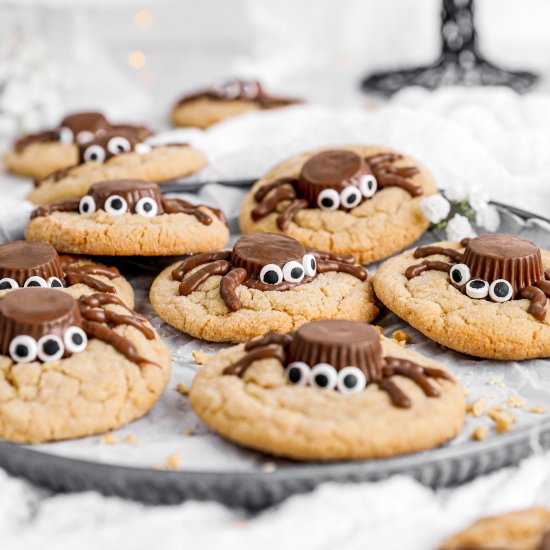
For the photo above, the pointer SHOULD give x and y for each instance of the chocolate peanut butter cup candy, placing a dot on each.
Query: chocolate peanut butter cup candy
(81, 127)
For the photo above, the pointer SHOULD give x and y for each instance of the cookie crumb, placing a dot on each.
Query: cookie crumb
(476, 408)
(200, 357)
(401, 337)
(131, 439)
(480, 433)
(504, 421)
(182, 388)
(108, 439)
(515, 402)
(539, 409)
(269, 467)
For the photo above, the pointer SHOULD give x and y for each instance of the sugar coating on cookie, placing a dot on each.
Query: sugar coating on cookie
(359, 200)
(337, 389)
(128, 217)
(71, 368)
(485, 296)
(267, 282)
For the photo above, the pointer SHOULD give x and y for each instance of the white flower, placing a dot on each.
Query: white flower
(488, 218)
(458, 228)
(435, 208)
(478, 198)
(456, 193)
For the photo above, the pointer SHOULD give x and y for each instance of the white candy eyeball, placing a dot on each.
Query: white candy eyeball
(142, 148)
(75, 339)
(7, 283)
(84, 137)
(23, 349)
(50, 348)
(460, 274)
(86, 205)
(250, 90)
(55, 282)
(118, 145)
(310, 265)
(501, 291)
(328, 199)
(94, 153)
(34, 281)
(298, 373)
(293, 272)
(147, 206)
(228, 89)
(271, 274)
(350, 196)
(477, 289)
(351, 380)
(324, 376)
(368, 185)
(66, 135)
(116, 205)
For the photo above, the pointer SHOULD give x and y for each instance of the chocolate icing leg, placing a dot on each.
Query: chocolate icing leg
(393, 180)
(175, 206)
(228, 285)
(424, 251)
(342, 258)
(271, 337)
(264, 190)
(239, 368)
(191, 283)
(415, 270)
(330, 265)
(537, 307)
(287, 215)
(396, 395)
(198, 259)
(269, 204)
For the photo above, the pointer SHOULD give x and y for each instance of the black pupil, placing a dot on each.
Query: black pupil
(313, 265)
(321, 380)
(5, 285)
(33, 283)
(352, 198)
(328, 202)
(77, 339)
(457, 276)
(56, 283)
(116, 204)
(51, 347)
(350, 381)
(120, 147)
(21, 350)
(294, 375)
(147, 207)
(370, 184)
(85, 207)
(271, 278)
(477, 283)
(296, 272)
(94, 156)
(501, 290)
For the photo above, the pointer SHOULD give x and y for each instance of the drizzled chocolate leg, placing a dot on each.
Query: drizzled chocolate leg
(264, 190)
(424, 251)
(271, 337)
(342, 258)
(239, 368)
(65, 206)
(393, 180)
(410, 370)
(415, 270)
(191, 283)
(198, 259)
(269, 204)
(537, 296)
(177, 206)
(396, 395)
(287, 215)
(383, 158)
(330, 265)
(110, 317)
(74, 278)
(228, 285)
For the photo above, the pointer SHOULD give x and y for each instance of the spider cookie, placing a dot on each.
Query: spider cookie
(234, 97)
(39, 155)
(484, 296)
(25, 264)
(523, 530)
(358, 200)
(267, 282)
(331, 390)
(116, 154)
(72, 368)
(128, 218)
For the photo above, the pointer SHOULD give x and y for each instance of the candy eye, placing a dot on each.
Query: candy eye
(142, 148)
(249, 90)
(298, 373)
(328, 199)
(477, 289)
(147, 207)
(324, 376)
(350, 196)
(75, 339)
(50, 348)
(228, 90)
(55, 282)
(86, 205)
(94, 153)
(6, 283)
(293, 272)
(115, 205)
(368, 185)
(351, 380)
(271, 274)
(118, 145)
(460, 274)
(23, 349)
(66, 135)
(35, 280)
(84, 136)
(310, 265)
(501, 291)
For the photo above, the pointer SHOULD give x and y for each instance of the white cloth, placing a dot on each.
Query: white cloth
(490, 137)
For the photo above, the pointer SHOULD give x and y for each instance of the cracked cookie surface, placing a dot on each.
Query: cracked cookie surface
(262, 411)
(375, 229)
(480, 328)
(162, 164)
(84, 394)
(203, 313)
